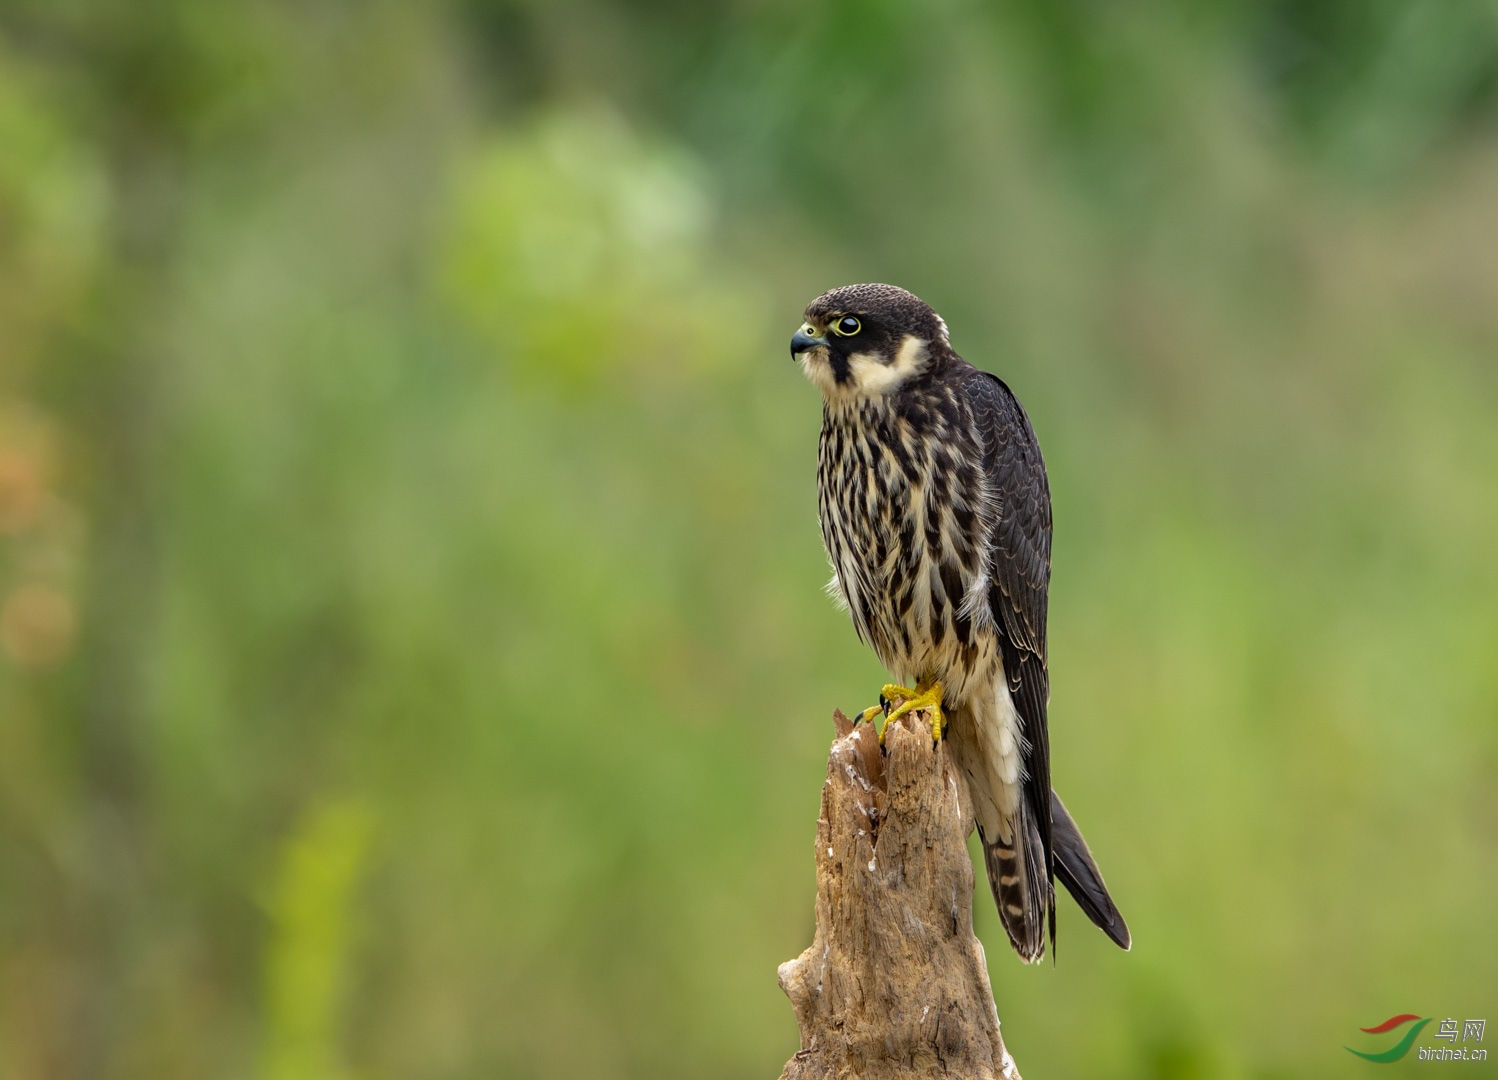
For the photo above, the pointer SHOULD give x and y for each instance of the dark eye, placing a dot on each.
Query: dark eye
(847, 326)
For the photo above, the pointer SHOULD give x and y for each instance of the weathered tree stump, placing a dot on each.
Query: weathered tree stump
(895, 983)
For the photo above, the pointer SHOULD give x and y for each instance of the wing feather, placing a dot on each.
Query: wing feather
(1019, 581)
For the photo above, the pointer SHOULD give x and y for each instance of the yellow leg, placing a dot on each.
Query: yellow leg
(929, 699)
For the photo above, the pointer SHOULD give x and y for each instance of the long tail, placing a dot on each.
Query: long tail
(1076, 870)
(1021, 887)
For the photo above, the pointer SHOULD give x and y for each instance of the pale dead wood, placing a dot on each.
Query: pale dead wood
(895, 983)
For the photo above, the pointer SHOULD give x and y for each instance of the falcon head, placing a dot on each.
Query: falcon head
(867, 340)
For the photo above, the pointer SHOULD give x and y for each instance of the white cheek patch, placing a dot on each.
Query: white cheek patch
(870, 376)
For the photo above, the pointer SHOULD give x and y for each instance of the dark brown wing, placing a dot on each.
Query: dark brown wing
(1020, 578)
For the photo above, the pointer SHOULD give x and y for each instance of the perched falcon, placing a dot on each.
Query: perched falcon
(936, 515)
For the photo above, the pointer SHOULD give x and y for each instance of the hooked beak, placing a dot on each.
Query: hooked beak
(803, 341)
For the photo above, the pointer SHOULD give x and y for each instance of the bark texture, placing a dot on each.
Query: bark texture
(895, 983)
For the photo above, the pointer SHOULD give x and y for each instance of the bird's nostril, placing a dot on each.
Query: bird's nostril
(803, 341)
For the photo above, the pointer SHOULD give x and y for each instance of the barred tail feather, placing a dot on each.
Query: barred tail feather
(1021, 887)
(1076, 870)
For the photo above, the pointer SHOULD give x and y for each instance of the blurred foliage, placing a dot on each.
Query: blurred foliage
(413, 659)
(575, 208)
(309, 941)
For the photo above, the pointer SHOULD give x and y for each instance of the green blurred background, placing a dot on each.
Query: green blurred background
(413, 658)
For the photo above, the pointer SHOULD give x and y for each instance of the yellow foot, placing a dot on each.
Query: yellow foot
(929, 699)
(882, 709)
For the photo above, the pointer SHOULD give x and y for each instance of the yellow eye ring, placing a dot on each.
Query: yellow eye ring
(847, 326)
